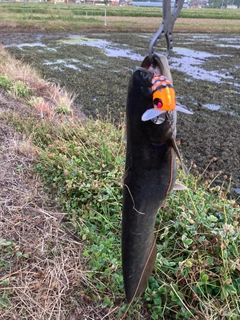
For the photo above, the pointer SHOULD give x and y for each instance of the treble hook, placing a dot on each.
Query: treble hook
(166, 27)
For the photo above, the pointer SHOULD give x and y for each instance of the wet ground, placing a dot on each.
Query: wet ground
(206, 73)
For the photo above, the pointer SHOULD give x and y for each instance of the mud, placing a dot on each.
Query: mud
(206, 73)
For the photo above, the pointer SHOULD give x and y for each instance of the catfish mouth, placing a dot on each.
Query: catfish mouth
(153, 64)
(158, 144)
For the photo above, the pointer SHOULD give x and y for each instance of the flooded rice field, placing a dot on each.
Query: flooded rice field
(206, 73)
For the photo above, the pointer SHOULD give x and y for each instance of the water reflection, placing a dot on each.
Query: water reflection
(109, 48)
(213, 107)
(62, 62)
(22, 45)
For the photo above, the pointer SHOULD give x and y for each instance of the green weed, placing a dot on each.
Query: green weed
(17, 89)
(20, 90)
(5, 82)
(4, 301)
(9, 252)
(197, 266)
(64, 107)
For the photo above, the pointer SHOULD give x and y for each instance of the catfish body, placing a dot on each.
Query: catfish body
(150, 173)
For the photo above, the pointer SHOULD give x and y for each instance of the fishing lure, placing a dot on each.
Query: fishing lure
(164, 99)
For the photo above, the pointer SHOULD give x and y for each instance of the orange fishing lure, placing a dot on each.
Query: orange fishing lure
(163, 93)
(164, 99)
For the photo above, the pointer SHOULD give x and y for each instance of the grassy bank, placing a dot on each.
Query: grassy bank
(67, 17)
(81, 163)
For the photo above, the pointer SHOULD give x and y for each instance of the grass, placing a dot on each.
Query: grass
(18, 89)
(81, 164)
(197, 268)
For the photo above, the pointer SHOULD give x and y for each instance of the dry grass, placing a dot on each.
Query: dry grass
(38, 280)
(48, 98)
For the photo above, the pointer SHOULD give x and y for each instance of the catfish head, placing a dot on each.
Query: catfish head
(156, 130)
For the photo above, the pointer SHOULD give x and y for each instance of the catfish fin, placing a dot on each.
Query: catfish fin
(175, 148)
(185, 170)
(146, 271)
(179, 186)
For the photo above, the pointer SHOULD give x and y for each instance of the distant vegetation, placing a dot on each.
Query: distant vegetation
(71, 12)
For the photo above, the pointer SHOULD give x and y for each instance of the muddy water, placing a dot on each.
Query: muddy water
(206, 73)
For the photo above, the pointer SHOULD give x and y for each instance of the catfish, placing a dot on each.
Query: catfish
(150, 174)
